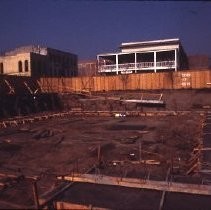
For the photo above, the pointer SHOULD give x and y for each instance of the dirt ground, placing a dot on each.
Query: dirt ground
(59, 146)
(120, 146)
(176, 100)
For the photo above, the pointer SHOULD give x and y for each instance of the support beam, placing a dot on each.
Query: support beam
(28, 88)
(175, 59)
(35, 193)
(155, 61)
(48, 197)
(117, 64)
(68, 205)
(203, 149)
(164, 192)
(135, 62)
(11, 89)
(140, 183)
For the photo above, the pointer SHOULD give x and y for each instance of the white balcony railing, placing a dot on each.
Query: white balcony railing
(144, 65)
(169, 64)
(137, 66)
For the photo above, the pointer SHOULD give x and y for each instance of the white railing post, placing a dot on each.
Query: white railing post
(155, 60)
(135, 62)
(117, 63)
(98, 64)
(175, 59)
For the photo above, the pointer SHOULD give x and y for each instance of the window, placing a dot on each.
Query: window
(1, 68)
(20, 66)
(26, 66)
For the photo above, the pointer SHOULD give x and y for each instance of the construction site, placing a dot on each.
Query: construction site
(132, 141)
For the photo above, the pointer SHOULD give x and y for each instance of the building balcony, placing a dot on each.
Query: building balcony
(134, 67)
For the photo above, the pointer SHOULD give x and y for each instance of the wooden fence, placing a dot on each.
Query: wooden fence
(146, 81)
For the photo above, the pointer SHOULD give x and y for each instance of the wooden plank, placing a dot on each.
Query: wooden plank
(148, 81)
(95, 84)
(101, 83)
(91, 83)
(202, 149)
(140, 183)
(111, 83)
(159, 81)
(164, 192)
(197, 79)
(138, 82)
(193, 80)
(207, 79)
(141, 81)
(130, 81)
(155, 81)
(67, 205)
(201, 79)
(164, 81)
(144, 81)
(107, 80)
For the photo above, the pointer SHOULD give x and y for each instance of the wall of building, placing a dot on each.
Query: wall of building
(16, 65)
(62, 64)
(39, 66)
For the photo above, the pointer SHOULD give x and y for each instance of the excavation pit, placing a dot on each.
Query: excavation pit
(77, 143)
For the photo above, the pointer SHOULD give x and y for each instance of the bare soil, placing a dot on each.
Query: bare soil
(60, 146)
(56, 147)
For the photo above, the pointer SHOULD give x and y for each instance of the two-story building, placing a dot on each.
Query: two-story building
(137, 57)
(36, 61)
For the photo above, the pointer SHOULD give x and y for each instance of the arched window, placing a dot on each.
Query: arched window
(1, 68)
(20, 66)
(26, 65)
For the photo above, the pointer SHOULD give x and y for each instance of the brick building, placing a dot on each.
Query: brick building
(36, 61)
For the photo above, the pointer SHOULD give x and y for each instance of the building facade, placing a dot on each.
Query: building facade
(36, 61)
(136, 57)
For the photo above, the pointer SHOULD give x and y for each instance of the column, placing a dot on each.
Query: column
(155, 60)
(98, 62)
(135, 62)
(117, 63)
(175, 59)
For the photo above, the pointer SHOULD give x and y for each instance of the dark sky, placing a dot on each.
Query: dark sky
(88, 28)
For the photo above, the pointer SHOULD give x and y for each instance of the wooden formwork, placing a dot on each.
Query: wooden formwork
(140, 183)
